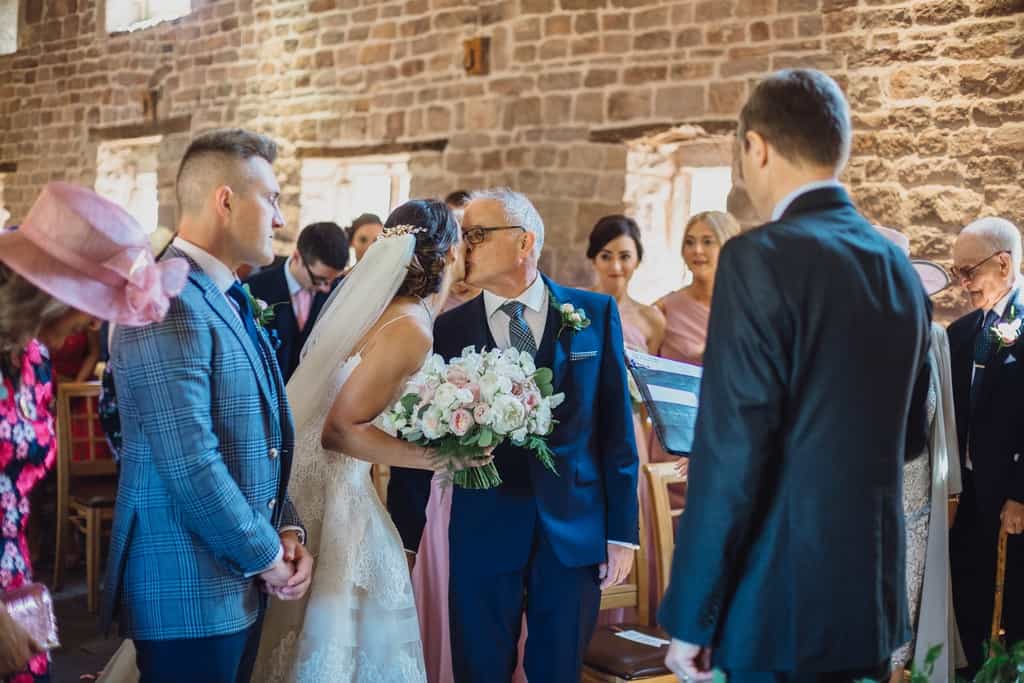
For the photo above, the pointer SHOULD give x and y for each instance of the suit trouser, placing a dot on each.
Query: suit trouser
(216, 659)
(486, 611)
(879, 672)
(973, 552)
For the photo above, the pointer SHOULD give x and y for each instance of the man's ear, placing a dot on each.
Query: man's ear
(223, 198)
(756, 147)
(527, 240)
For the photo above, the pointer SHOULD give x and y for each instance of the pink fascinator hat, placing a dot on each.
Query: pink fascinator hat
(90, 254)
(934, 277)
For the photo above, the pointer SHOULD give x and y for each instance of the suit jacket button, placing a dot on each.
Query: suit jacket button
(273, 453)
(272, 503)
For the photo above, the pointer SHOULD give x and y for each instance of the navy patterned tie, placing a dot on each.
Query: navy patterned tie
(519, 332)
(240, 297)
(982, 351)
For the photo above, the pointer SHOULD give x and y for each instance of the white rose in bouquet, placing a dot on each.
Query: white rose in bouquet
(509, 414)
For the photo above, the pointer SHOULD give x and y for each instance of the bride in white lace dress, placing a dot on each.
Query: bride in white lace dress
(359, 622)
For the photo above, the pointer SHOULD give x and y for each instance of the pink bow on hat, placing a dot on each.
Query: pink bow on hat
(90, 254)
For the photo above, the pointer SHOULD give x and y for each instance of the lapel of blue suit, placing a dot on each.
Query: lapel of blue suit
(554, 347)
(219, 303)
(997, 358)
(477, 326)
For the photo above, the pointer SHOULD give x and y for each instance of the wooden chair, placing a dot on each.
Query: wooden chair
(613, 659)
(659, 476)
(86, 480)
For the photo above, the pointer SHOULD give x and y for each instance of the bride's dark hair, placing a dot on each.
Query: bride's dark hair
(440, 231)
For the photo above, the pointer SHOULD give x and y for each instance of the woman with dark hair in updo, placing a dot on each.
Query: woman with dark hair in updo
(615, 251)
(358, 621)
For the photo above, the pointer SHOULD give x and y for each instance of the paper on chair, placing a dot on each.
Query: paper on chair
(642, 638)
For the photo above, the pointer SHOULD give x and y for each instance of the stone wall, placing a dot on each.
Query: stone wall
(937, 87)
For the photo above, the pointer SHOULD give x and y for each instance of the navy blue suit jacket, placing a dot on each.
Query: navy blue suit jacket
(593, 499)
(996, 433)
(790, 555)
(271, 286)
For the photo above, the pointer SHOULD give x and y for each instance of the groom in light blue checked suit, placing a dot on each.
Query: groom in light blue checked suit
(203, 524)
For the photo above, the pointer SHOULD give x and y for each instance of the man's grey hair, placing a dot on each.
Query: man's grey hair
(1001, 235)
(519, 210)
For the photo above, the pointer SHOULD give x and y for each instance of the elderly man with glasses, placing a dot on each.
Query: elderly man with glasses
(988, 373)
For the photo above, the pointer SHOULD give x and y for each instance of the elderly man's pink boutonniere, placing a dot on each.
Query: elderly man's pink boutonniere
(1007, 332)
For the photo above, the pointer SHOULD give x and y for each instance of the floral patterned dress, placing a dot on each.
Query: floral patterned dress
(28, 450)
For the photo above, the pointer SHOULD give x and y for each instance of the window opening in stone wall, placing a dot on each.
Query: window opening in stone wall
(8, 27)
(339, 190)
(135, 15)
(669, 178)
(126, 173)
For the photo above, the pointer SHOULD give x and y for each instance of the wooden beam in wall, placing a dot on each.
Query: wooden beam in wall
(437, 145)
(8, 166)
(626, 134)
(177, 124)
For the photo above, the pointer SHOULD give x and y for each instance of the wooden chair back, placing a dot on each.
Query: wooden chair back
(659, 476)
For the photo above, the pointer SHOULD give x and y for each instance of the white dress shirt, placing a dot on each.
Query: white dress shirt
(784, 203)
(535, 301)
(1000, 309)
(223, 278)
(294, 286)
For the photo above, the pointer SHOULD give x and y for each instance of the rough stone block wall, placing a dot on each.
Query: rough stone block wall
(937, 88)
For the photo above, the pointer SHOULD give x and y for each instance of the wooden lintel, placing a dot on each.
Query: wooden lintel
(437, 145)
(177, 124)
(630, 133)
(8, 166)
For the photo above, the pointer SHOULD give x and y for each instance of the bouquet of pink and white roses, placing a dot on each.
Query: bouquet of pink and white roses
(470, 405)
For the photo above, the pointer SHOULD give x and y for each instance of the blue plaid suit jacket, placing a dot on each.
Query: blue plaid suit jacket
(207, 447)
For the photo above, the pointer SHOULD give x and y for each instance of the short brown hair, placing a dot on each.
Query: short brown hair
(209, 151)
(803, 114)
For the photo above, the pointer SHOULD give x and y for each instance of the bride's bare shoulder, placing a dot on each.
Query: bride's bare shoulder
(402, 330)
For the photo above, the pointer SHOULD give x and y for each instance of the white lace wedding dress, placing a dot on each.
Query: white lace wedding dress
(358, 621)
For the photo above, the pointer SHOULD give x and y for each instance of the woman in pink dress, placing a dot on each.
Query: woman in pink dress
(615, 251)
(686, 310)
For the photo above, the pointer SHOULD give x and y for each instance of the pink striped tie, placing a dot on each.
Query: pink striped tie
(301, 302)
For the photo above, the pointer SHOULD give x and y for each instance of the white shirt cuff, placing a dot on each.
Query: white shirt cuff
(299, 531)
(632, 546)
(277, 558)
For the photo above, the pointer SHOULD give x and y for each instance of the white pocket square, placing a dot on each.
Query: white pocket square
(1009, 359)
(581, 355)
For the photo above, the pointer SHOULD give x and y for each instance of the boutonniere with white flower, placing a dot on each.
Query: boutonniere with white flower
(1007, 332)
(262, 312)
(573, 318)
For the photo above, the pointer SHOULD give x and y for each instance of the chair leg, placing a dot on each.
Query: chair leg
(93, 536)
(58, 555)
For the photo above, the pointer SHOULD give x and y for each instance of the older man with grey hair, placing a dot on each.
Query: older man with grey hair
(559, 537)
(988, 373)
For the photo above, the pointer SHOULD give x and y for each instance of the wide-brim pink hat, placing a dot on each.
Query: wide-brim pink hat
(934, 277)
(90, 254)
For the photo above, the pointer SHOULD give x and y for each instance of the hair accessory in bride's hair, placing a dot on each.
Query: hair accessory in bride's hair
(399, 230)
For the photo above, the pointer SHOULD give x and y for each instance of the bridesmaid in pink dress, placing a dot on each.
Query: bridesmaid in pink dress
(615, 251)
(686, 310)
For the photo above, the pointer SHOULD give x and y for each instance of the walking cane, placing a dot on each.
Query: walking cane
(997, 611)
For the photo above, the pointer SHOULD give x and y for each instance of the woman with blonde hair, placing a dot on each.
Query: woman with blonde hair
(686, 310)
